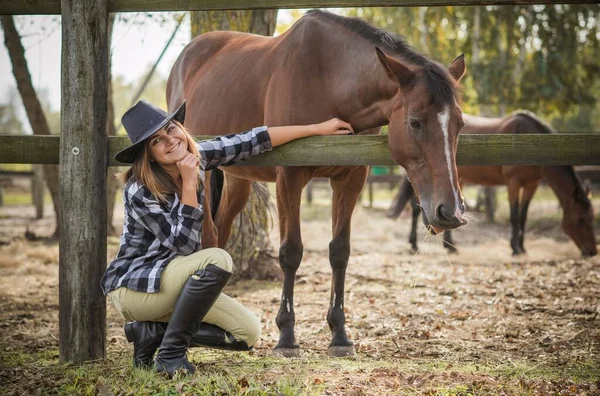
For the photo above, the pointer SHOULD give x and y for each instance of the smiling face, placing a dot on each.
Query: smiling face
(423, 137)
(168, 146)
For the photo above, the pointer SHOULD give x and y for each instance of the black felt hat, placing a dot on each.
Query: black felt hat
(142, 121)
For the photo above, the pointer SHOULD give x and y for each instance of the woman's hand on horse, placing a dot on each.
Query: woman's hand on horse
(283, 134)
(334, 126)
(189, 168)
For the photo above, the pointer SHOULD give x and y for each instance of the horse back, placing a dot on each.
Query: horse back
(221, 76)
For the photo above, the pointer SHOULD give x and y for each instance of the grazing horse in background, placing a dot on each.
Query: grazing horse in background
(522, 182)
(324, 66)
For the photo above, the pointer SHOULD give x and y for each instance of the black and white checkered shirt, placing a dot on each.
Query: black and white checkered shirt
(155, 233)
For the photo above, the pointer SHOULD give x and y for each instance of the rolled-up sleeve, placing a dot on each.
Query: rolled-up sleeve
(227, 150)
(179, 230)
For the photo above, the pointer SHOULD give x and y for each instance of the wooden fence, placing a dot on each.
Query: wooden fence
(36, 177)
(84, 147)
(526, 149)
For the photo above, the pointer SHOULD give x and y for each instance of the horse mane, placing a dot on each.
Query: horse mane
(436, 77)
(579, 194)
(545, 128)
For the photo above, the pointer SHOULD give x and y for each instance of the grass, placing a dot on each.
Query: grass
(259, 374)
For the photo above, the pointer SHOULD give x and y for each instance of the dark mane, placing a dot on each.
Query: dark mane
(579, 193)
(436, 77)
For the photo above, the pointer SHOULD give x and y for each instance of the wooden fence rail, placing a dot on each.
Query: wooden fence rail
(17, 7)
(528, 149)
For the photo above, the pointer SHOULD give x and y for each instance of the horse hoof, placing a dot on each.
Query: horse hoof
(452, 251)
(341, 351)
(287, 352)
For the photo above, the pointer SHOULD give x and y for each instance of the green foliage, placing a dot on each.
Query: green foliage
(542, 58)
(10, 124)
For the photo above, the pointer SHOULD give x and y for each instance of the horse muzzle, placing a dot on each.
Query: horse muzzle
(443, 219)
(589, 252)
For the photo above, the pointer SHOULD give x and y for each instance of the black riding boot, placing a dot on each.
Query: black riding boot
(211, 336)
(147, 336)
(197, 297)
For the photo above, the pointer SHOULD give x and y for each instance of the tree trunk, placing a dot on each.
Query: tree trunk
(32, 105)
(251, 21)
(249, 243)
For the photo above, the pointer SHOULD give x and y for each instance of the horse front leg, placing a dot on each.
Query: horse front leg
(526, 197)
(448, 243)
(412, 238)
(514, 188)
(346, 190)
(290, 182)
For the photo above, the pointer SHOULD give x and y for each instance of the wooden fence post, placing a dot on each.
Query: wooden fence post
(83, 164)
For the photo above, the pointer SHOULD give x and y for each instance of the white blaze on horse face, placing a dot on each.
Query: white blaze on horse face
(444, 118)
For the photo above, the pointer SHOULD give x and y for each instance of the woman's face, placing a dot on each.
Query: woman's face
(169, 145)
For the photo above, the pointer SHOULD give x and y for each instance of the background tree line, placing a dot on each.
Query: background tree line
(543, 58)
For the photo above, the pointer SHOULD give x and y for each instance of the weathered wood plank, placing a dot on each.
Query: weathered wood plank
(17, 7)
(83, 146)
(530, 149)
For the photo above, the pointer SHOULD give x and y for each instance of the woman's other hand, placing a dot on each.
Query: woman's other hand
(334, 126)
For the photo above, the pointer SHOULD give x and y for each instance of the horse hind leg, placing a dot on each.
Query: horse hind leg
(290, 182)
(345, 195)
(514, 188)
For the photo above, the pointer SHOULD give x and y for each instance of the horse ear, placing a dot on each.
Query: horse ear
(395, 69)
(458, 67)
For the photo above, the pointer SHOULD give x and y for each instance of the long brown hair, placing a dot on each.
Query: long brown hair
(151, 174)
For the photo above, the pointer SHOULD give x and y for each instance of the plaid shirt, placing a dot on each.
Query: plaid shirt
(155, 233)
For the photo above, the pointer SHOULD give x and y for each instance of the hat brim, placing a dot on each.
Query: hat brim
(128, 154)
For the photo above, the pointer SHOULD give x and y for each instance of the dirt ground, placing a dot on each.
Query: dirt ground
(531, 321)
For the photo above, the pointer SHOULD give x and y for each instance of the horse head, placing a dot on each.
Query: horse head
(424, 122)
(578, 222)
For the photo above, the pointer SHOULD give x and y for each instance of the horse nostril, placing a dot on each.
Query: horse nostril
(442, 214)
(461, 206)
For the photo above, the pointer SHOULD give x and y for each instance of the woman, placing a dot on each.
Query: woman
(161, 281)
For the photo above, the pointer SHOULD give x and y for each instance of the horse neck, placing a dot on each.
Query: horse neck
(360, 90)
(562, 181)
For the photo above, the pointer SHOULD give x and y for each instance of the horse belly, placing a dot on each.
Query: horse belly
(256, 173)
(482, 175)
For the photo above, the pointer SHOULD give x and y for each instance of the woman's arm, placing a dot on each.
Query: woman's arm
(284, 134)
(230, 149)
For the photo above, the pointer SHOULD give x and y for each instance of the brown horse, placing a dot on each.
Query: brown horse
(522, 181)
(324, 66)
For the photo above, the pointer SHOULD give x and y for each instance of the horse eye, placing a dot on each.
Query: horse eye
(414, 124)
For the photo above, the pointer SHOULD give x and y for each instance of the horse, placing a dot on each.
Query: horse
(522, 182)
(324, 66)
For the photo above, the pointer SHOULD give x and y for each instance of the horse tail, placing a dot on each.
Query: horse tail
(404, 195)
(260, 212)
(543, 126)
(216, 190)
